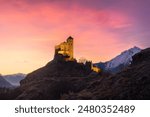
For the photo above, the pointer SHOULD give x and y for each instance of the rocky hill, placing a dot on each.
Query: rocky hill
(70, 80)
(131, 83)
(53, 80)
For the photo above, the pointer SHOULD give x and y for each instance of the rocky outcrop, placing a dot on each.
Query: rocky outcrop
(132, 83)
(54, 79)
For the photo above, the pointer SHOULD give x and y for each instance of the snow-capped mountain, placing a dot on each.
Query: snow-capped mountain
(14, 79)
(120, 61)
(124, 58)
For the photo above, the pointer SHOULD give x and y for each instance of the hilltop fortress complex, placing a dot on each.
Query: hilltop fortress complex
(66, 49)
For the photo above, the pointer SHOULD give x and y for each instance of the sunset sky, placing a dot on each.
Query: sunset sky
(29, 30)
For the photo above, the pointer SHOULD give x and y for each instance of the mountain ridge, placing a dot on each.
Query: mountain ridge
(4, 83)
(14, 79)
(120, 61)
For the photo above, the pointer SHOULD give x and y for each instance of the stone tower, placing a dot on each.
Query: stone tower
(65, 49)
(70, 47)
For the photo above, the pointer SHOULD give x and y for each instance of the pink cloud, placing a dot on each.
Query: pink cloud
(34, 30)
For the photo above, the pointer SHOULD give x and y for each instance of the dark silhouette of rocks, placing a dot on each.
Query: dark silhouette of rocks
(131, 83)
(54, 79)
(70, 80)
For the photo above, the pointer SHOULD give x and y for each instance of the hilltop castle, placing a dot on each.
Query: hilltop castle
(66, 49)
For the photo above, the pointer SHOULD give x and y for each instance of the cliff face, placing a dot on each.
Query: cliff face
(132, 83)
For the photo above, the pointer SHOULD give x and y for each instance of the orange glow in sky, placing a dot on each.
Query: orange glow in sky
(29, 30)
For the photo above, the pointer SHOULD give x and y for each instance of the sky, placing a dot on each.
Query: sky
(102, 29)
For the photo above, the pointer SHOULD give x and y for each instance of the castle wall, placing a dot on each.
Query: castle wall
(96, 69)
(66, 49)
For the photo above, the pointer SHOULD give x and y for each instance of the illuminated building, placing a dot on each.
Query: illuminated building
(66, 49)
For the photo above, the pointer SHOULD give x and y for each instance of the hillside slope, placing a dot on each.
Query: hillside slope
(132, 83)
(53, 80)
(71, 80)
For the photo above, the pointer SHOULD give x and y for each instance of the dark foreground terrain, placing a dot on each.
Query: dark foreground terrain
(71, 80)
